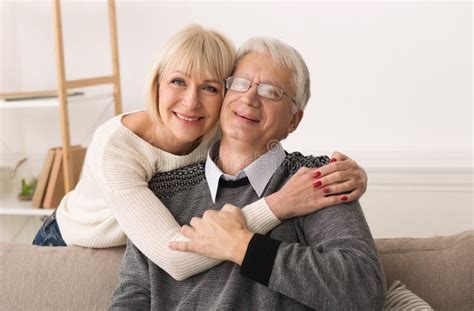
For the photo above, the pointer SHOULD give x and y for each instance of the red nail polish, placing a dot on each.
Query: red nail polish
(317, 174)
(333, 160)
(326, 190)
(317, 184)
(344, 198)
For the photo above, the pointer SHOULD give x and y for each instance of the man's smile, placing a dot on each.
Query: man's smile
(246, 117)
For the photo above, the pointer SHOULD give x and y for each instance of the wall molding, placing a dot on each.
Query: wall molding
(434, 160)
(414, 171)
(421, 179)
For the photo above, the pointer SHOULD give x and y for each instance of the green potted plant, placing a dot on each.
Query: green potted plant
(27, 189)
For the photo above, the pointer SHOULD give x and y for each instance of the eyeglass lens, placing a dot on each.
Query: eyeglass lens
(264, 90)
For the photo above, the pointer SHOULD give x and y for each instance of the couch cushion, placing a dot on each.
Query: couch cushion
(439, 269)
(57, 278)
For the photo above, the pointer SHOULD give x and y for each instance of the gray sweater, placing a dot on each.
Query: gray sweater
(325, 261)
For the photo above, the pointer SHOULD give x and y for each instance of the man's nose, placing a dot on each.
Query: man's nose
(251, 97)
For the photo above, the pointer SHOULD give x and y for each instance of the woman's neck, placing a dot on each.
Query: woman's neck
(162, 138)
(157, 134)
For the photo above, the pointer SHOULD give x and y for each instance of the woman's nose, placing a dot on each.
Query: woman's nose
(191, 98)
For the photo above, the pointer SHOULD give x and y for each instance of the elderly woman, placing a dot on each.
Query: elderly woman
(112, 201)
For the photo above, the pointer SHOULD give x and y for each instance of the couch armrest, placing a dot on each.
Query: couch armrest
(57, 278)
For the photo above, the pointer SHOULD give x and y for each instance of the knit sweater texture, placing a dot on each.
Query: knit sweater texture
(112, 200)
(324, 261)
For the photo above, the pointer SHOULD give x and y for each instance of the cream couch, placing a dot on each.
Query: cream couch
(438, 269)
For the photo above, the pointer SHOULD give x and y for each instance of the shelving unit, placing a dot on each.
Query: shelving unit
(8, 205)
(51, 102)
(65, 85)
(11, 206)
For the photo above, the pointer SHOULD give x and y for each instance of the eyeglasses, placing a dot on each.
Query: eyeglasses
(265, 90)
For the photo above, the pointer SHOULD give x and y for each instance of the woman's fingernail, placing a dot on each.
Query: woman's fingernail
(333, 160)
(317, 174)
(316, 184)
(326, 190)
(344, 198)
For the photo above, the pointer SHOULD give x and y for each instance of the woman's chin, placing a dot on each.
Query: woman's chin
(188, 138)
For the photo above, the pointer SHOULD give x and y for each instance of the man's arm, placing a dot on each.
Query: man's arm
(133, 289)
(337, 267)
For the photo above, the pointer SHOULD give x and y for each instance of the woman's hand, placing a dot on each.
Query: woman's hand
(218, 234)
(343, 177)
(311, 189)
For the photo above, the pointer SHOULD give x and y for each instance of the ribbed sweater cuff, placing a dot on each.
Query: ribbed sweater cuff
(259, 217)
(259, 258)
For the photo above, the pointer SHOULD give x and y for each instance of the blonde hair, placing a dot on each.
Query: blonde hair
(195, 51)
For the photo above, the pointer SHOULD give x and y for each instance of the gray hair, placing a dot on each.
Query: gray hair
(286, 57)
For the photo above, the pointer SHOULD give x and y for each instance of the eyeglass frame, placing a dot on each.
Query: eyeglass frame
(293, 99)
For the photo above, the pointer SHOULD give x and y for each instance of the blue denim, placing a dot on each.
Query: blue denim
(48, 234)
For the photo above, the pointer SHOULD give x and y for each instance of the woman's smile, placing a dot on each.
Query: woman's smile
(187, 118)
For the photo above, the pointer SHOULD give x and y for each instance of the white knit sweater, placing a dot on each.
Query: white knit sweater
(112, 201)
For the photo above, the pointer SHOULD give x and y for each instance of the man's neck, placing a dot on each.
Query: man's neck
(235, 155)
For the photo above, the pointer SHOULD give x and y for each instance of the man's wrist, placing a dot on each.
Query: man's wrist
(241, 249)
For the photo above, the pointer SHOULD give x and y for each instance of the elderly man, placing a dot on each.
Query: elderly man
(325, 260)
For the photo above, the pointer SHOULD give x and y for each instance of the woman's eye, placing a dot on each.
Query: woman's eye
(210, 88)
(178, 82)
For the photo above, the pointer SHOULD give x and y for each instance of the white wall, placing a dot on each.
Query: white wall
(391, 85)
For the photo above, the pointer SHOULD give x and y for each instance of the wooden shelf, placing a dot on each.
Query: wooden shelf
(11, 206)
(52, 102)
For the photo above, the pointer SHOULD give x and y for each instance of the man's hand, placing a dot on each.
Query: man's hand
(311, 189)
(218, 234)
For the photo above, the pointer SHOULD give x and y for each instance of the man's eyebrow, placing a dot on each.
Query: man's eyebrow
(265, 81)
(271, 82)
(242, 75)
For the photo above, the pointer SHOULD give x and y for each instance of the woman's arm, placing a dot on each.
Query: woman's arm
(122, 174)
(151, 227)
(121, 167)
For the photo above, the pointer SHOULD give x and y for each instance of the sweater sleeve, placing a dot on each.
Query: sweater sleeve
(335, 266)
(122, 176)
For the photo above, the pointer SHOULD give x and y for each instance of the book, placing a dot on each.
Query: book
(55, 190)
(43, 178)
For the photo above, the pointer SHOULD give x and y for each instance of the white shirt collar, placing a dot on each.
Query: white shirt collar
(258, 172)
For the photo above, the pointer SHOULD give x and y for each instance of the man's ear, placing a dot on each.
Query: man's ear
(295, 121)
